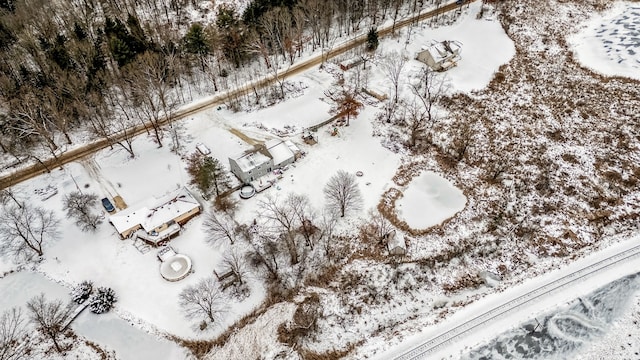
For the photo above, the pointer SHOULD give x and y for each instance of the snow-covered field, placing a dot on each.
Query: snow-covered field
(150, 303)
(609, 43)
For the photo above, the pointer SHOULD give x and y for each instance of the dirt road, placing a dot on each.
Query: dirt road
(216, 100)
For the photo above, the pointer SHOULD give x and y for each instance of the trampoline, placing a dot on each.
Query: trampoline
(176, 267)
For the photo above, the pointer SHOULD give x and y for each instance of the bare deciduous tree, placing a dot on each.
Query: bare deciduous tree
(50, 319)
(282, 217)
(430, 87)
(234, 261)
(392, 65)
(13, 335)
(414, 119)
(204, 301)
(328, 222)
(342, 193)
(80, 207)
(379, 224)
(24, 229)
(219, 228)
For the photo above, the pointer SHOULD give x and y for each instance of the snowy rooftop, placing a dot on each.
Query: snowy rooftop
(248, 161)
(396, 240)
(293, 147)
(156, 211)
(278, 150)
(441, 50)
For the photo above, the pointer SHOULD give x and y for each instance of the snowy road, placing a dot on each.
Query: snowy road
(473, 324)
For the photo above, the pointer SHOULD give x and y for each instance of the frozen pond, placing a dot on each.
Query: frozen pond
(610, 43)
(562, 334)
(429, 200)
(108, 330)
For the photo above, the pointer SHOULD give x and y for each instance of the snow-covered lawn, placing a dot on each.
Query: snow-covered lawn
(485, 47)
(108, 330)
(609, 43)
(429, 200)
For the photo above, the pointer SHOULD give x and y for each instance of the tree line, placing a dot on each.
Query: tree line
(105, 66)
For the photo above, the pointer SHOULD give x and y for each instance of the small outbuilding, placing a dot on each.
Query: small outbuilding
(396, 243)
(440, 55)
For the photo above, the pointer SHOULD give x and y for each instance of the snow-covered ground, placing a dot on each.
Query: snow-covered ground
(505, 326)
(429, 200)
(609, 43)
(145, 299)
(108, 330)
(151, 304)
(485, 47)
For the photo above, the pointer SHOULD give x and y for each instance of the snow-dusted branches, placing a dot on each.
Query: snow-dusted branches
(204, 301)
(342, 193)
(24, 229)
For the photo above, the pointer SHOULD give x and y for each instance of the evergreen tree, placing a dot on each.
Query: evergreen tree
(81, 293)
(79, 32)
(59, 54)
(7, 38)
(231, 34)
(8, 5)
(195, 42)
(125, 45)
(103, 301)
(372, 40)
(207, 174)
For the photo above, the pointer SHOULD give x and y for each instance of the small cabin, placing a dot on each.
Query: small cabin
(395, 243)
(350, 63)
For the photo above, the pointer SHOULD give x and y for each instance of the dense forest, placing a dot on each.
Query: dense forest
(101, 67)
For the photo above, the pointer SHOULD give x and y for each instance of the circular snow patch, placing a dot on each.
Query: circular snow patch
(429, 200)
(176, 267)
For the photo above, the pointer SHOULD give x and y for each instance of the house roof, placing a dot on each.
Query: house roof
(293, 147)
(395, 240)
(251, 160)
(442, 50)
(155, 211)
(279, 151)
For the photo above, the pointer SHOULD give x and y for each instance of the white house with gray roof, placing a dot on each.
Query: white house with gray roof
(263, 159)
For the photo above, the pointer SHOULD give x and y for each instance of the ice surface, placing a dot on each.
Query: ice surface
(563, 333)
(610, 43)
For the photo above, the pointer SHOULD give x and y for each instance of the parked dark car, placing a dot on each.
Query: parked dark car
(108, 205)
